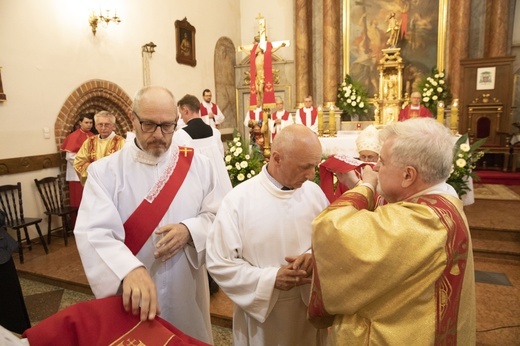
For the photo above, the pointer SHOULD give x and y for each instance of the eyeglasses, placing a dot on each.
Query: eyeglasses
(150, 127)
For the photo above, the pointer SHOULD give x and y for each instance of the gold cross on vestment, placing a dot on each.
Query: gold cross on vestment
(185, 151)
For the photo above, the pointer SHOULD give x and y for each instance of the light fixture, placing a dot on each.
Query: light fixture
(94, 20)
(149, 48)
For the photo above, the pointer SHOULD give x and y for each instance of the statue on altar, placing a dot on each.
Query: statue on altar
(393, 31)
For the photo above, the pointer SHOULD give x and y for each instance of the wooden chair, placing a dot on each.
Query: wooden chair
(12, 204)
(50, 190)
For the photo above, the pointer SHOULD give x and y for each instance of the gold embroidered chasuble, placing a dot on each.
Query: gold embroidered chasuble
(95, 148)
(401, 274)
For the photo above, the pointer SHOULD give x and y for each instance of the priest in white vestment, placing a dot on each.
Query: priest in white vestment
(167, 274)
(202, 137)
(259, 248)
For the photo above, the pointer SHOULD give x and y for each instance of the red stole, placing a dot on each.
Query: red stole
(256, 116)
(204, 110)
(303, 116)
(104, 322)
(143, 221)
(73, 142)
(284, 117)
(449, 286)
(269, 96)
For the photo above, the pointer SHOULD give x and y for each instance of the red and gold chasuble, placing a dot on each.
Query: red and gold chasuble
(105, 322)
(401, 273)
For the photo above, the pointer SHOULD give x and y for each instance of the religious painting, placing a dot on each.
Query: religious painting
(486, 78)
(185, 39)
(369, 26)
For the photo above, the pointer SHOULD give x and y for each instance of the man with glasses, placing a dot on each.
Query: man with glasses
(97, 147)
(142, 226)
(209, 111)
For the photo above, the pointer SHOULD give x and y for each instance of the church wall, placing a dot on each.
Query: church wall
(47, 50)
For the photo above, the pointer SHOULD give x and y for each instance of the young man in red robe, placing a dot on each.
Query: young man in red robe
(71, 146)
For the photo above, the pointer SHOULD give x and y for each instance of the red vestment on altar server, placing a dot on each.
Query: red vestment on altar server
(408, 113)
(104, 322)
(71, 144)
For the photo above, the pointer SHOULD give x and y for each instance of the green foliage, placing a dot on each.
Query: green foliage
(464, 162)
(241, 162)
(434, 88)
(352, 98)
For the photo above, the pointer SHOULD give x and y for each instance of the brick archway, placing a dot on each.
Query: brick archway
(89, 98)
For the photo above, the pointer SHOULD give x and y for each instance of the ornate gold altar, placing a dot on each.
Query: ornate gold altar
(390, 98)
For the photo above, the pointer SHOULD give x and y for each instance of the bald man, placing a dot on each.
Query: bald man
(414, 110)
(260, 253)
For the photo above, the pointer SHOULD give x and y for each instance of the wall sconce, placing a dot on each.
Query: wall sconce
(93, 20)
(149, 48)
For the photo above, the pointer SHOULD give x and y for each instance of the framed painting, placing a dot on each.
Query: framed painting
(486, 78)
(366, 30)
(185, 42)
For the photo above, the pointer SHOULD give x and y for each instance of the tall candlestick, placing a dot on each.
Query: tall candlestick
(320, 121)
(332, 121)
(440, 112)
(454, 121)
(265, 130)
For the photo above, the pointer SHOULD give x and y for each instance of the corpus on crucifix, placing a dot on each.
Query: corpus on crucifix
(261, 67)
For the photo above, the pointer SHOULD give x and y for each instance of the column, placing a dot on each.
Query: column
(497, 34)
(331, 50)
(458, 41)
(303, 49)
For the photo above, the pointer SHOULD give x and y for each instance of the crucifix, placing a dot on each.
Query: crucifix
(261, 89)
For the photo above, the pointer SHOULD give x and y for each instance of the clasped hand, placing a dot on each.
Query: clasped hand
(297, 272)
(174, 238)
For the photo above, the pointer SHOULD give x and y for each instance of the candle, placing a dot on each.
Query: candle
(320, 121)
(332, 121)
(440, 112)
(454, 121)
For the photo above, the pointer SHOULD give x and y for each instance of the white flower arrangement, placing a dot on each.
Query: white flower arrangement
(352, 98)
(434, 89)
(239, 163)
(464, 162)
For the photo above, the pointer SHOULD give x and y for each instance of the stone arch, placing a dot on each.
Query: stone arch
(89, 98)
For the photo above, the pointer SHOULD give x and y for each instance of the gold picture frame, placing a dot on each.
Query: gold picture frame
(185, 42)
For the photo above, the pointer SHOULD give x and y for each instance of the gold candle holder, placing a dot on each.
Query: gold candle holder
(454, 118)
(332, 121)
(440, 112)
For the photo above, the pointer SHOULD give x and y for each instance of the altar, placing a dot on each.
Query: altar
(343, 143)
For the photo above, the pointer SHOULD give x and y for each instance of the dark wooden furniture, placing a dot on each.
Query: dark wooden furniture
(12, 204)
(51, 192)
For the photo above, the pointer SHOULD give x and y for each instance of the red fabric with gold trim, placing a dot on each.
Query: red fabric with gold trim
(104, 322)
(204, 110)
(449, 286)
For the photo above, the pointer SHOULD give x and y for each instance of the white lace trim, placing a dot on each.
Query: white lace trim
(350, 160)
(158, 186)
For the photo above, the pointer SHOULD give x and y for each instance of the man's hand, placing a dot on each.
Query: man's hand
(296, 273)
(174, 238)
(139, 292)
(369, 176)
(348, 179)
